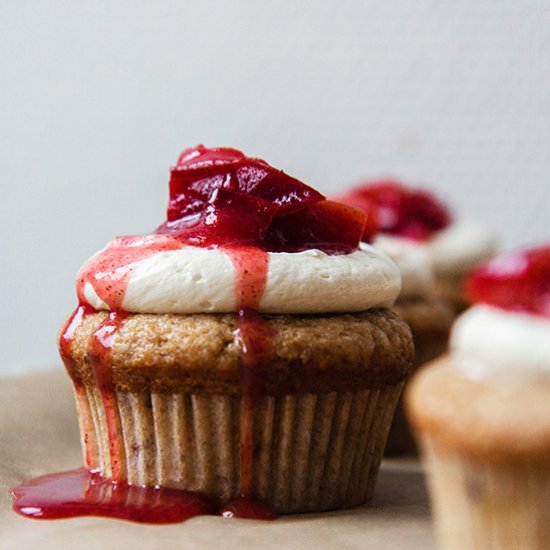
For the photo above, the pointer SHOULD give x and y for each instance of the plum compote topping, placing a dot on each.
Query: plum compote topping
(400, 210)
(221, 197)
(517, 281)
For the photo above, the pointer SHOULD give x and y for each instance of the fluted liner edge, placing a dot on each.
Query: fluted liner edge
(312, 452)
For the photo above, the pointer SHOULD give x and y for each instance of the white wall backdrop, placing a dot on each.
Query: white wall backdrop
(97, 98)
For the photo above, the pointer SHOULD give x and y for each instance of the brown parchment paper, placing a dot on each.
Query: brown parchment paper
(39, 434)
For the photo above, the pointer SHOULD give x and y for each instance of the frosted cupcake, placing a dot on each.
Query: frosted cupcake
(416, 218)
(482, 413)
(245, 351)
(455, 253)
(408, 222)
(429, 317)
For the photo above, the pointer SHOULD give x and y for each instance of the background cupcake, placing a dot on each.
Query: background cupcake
(455, 252)
(407, 222)
(428, 316)
(416, 218)
(482, 413)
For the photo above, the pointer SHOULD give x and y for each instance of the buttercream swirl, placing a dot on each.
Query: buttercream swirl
(202, 280)
(489, 342)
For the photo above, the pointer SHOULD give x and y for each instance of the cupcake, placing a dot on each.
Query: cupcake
(407, 221)
(415, 216)
(456, 252)
(428, 316)
(245, 350)
(482, 413)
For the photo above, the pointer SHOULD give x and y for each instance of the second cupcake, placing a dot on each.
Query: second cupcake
(408, 220)
(482, 414)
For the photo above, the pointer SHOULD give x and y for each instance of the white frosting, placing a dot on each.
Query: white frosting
(488, 342)
(461, 247)
(413, 260)
(201, 280)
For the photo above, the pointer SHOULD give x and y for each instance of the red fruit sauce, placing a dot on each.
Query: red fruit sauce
(518, 281)
(85, 493)
(399, 210)
(219, 198)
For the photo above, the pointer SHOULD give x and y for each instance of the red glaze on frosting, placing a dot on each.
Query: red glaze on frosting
(110, 269)
(218, 198)
(400, 210)
(518, 281)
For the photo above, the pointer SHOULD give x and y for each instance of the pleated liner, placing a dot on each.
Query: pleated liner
(311, 452)
(479, 505)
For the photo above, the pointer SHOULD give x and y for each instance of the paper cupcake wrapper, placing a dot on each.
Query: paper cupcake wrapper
(311, 452)
(400, 438)
(482, 506)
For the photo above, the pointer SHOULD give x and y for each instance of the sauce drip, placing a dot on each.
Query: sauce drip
(251, 265)
(99, 353)
(67, 336)
(65, 344)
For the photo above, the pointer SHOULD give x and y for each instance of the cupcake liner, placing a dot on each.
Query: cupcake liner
(87, 429)
(311, 452)
(400, 438)
(479, 505)
(430, 320)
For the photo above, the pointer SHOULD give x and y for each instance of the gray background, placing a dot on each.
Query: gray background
(97, 98)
